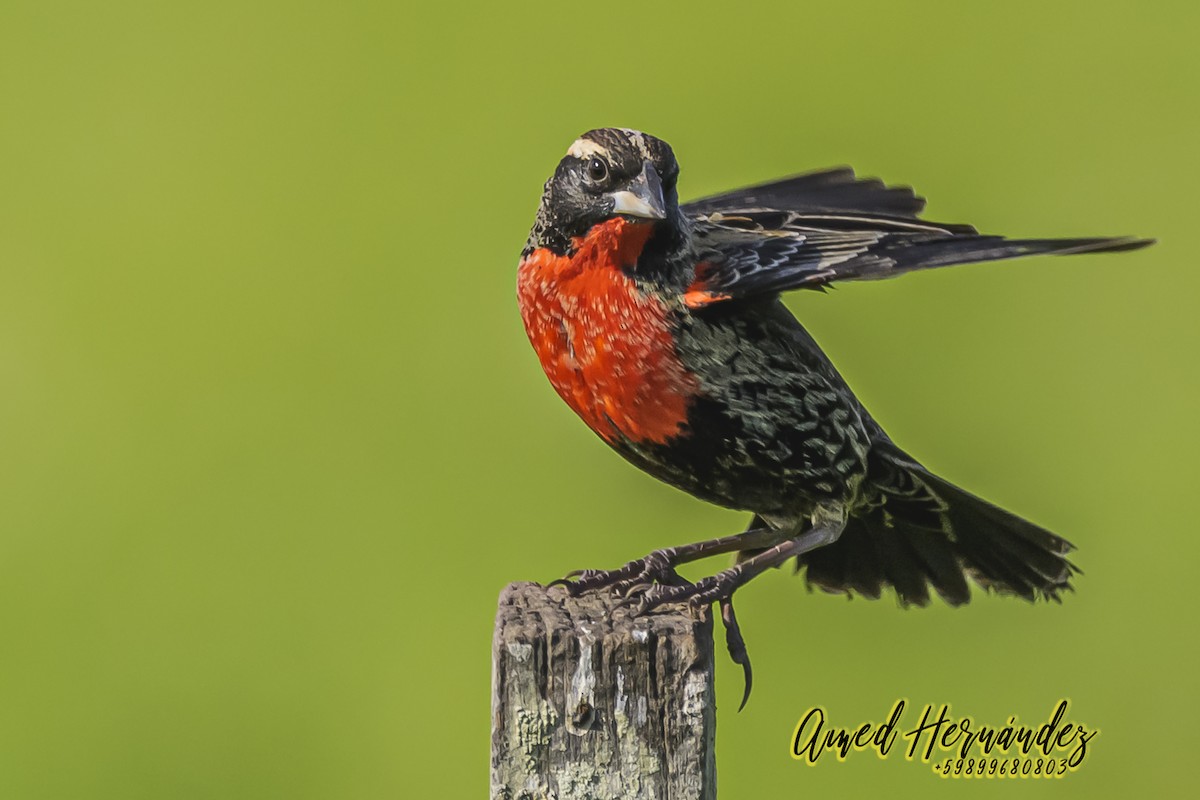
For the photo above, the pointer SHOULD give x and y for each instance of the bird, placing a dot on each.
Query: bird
(661, 325)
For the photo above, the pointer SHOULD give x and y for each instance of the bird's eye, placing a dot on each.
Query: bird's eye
(597, 170)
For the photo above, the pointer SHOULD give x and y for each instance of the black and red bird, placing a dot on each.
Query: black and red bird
(660, 324)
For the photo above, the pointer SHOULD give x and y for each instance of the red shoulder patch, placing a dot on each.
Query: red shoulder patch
(699, 298)
(696, 295)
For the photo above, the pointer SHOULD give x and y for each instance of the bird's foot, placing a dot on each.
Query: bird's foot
(718, 588)
(654, 569)
(704, 592)
(658, 568)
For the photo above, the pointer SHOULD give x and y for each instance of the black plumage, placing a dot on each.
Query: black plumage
(771, 426)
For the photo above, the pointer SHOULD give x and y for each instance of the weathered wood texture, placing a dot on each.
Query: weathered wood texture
(589, 703)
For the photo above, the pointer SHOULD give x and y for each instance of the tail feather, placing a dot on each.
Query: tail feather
(943, 569)
(1007, 552)
(854, 566)
(872, 554)
(997, 573)
(902, 566)
(999, 551)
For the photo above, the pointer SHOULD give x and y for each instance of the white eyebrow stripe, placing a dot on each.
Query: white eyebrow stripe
(586, 148)
(639, 141)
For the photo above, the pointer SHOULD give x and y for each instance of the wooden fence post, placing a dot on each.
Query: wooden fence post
(590, 703)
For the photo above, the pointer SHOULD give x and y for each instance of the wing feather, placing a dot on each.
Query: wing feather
(747, 252)
(837, 189)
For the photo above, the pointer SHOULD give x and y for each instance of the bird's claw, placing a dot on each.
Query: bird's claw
(577, 581)
(653, 568)
(564, 582)
(649, 596)
(633, 601)
(703, 592)
(737, 647)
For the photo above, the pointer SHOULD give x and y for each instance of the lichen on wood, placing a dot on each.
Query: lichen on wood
(591, 702)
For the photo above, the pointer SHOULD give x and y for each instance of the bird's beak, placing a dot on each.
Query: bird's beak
(643, 198)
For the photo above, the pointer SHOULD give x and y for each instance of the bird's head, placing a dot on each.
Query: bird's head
(607, 173)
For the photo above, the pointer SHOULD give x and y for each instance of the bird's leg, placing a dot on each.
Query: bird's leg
(827, 525)
(659, 566)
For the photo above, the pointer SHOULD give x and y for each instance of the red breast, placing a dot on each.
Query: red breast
(606, 347)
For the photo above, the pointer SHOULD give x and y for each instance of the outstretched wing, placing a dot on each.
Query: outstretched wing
(836, 190)
(810, 241)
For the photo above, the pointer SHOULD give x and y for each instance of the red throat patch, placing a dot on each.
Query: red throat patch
(606, 347)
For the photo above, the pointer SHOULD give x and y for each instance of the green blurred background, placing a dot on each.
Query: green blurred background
(273, 439)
